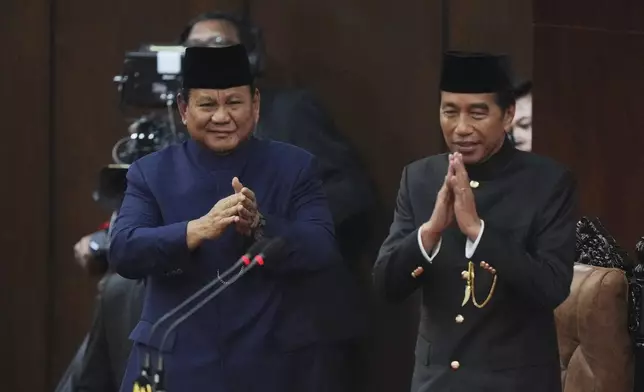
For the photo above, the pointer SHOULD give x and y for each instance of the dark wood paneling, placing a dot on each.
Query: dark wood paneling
(620, 15)
(588, 114)
(376, 71)
(375, 65)
(24, 200)
(500, 26)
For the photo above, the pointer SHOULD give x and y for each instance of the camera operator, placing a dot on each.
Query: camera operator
(104, 352)
(147, 134)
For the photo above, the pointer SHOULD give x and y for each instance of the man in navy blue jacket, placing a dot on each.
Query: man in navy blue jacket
(191, 210)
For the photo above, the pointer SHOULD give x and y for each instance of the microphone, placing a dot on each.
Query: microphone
(142, 381)
(272, 249)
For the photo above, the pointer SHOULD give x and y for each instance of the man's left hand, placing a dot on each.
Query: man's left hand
(464, 202)
(250, 213)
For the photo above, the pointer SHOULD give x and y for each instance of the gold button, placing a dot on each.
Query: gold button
(455, 365)
(460, 318)
(465, 275)
(474, 184)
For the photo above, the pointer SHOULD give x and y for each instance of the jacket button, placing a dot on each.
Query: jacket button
(465, 275)
(474, 184)
(455, 365)
(460, 319)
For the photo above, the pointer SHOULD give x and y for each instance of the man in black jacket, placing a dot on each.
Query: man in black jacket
(495, 257)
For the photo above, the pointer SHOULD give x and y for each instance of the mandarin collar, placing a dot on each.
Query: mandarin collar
(494, 165)
(213, 161)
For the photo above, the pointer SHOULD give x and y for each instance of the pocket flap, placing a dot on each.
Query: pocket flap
(141, 334)
(423, 350)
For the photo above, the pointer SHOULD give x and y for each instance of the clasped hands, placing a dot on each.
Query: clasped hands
(239, 209)
(455, 201)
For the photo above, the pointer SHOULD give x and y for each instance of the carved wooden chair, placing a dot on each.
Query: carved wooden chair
(599, 328)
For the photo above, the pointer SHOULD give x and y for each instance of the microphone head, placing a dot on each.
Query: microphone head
(272, 250)
(254, 249)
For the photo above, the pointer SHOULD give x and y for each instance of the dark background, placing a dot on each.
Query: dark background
(374, 64)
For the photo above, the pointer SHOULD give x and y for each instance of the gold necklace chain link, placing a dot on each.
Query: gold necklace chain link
(470, 282)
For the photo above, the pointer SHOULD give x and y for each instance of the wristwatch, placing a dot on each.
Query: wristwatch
(258, 231)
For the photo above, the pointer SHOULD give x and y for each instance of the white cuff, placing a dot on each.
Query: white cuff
(437, 247)
(470, 247)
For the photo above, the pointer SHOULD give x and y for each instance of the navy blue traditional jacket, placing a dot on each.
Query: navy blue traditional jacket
(244, 338)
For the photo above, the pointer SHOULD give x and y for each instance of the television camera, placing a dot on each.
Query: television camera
(150, 81)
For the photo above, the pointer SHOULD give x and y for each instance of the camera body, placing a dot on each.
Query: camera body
(151, 80)
(151, 76)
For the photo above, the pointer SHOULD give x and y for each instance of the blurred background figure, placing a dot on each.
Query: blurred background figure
(521, 131)
(99, 362)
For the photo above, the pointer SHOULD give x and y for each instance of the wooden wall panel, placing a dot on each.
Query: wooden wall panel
(587, 107)
(620, 15)
(376, 71)
(500, 26)
(376, 67)
(24, 199)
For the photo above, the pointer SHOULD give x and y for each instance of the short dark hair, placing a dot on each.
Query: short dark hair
(242, 27)
(505, 99)
(523, 89)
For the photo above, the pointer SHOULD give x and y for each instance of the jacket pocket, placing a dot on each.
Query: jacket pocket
(423, 350)
(141, 334)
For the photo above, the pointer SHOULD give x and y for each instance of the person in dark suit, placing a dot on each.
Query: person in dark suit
(191, 210)
(117, 310)
(495, 257)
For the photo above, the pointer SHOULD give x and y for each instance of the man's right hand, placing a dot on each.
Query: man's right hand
(82, 253)
(90, 261)
(443, 214)
(227, 211)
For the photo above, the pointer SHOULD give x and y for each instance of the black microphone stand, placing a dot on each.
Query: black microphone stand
(244, 260)
(158, 376)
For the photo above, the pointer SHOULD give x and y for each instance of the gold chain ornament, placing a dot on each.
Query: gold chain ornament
(470, 290)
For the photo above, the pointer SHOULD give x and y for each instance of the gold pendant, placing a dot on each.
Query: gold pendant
(468, 293)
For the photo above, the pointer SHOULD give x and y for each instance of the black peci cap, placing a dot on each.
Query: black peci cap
(475, 73)
(216, 68)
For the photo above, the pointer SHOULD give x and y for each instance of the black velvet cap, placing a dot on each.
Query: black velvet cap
(216, 68)
(475, 73)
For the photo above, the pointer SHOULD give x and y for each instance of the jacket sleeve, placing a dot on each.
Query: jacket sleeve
(140, 244)
(401, 252)
(543, 272)
(308, 229)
